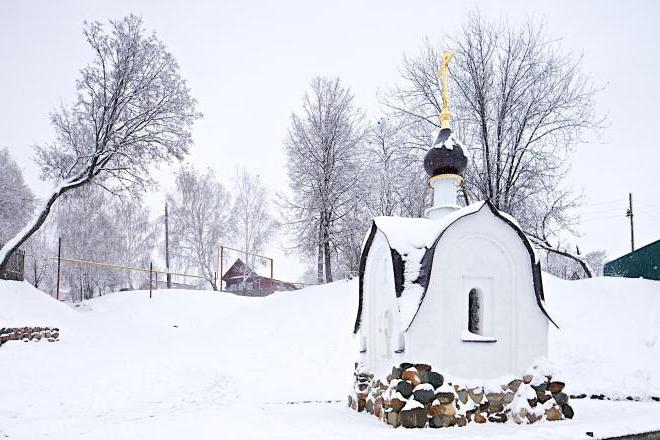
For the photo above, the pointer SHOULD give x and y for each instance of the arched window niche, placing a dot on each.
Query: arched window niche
(474, 331)
(475, 312)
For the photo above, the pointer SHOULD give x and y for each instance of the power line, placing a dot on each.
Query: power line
(608, 217)
(644, 211)
(648, 205)
(609, 202)
(601, 211)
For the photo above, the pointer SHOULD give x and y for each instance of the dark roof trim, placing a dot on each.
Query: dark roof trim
(363, 263)
(398, 266)
(536, 265)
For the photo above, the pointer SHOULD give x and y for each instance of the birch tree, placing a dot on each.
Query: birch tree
(520, 104)
(252, 219)
(39, 252)
(200, 219)
(323, 148)
(136, 236)
(133, 111)
(86, 223)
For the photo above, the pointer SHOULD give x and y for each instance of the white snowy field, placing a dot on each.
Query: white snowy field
(200, 365)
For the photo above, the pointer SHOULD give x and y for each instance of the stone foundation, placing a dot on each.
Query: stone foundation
(416, 396)
(26, 334)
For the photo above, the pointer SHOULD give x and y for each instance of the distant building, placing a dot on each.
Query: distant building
(641, 263)
(241, 277)
(15, 269)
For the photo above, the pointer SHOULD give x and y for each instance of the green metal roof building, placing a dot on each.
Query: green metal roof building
(641, 263)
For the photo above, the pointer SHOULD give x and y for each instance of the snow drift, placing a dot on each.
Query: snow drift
(203, 364)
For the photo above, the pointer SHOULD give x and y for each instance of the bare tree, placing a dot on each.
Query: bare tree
(254, 224)
(136, 236)
(17, 200)
(39, 250)
(87, 224)
(561, 262)
(395, 183)
(323, 167)
(133, 111)
(596, 260)
(200, 219)
(519, 105)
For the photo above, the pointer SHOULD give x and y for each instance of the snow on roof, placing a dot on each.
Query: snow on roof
(412, 241)
(411, 238)
(405, 234)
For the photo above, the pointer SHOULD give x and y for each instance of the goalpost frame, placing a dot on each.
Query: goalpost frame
(221, 252)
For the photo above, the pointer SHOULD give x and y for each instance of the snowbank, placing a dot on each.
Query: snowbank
(214, 365)
(23, 305)
(608, 340)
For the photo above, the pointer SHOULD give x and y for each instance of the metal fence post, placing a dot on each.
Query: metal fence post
(151, 268)
(222, 251)
(59, 257)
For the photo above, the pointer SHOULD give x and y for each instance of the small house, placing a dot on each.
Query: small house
(241, 277)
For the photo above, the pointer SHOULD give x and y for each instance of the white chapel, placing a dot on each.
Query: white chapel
(460, 289)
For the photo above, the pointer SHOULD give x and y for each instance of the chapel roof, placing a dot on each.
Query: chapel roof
(446, 156)
(412, 243)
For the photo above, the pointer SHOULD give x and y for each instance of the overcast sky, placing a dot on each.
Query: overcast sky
(248, 64)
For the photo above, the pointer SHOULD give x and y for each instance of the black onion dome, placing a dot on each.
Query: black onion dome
(446, 156)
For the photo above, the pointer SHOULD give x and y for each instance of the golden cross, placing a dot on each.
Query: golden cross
(443, 76)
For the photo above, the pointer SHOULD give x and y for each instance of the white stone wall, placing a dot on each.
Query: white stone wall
(380, 329)
(479, 251)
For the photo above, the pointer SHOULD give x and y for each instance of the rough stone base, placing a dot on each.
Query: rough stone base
(415, 396)
(29, 334)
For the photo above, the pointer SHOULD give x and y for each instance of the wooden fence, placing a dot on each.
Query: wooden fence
(15, 269)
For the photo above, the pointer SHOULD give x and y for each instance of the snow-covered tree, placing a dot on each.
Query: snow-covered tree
(133, 111)
(94, 226)
(519, 104)
(253, 221)
(395, 183)
(136, 237)
(16, 201)
(200, 220)
(323, 150)
(39, 252)
(86, 222)
(596, 260)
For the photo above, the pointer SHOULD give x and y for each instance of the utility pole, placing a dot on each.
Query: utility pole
(167, 249)
(629, 213)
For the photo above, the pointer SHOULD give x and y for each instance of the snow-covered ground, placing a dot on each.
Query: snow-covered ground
(609, 336)
(213, 365)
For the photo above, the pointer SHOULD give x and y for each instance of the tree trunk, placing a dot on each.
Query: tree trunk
(319, 257)
(546, 246)
(10, 247)
(326, 253)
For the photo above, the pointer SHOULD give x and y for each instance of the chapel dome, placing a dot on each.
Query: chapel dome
(446, 156)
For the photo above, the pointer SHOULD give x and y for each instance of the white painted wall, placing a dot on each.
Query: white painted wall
(479, 251)
(445, 190)
(380, 329)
